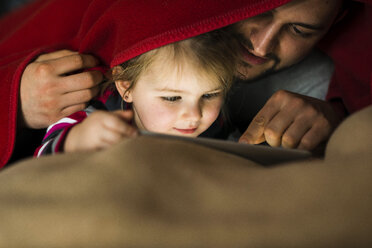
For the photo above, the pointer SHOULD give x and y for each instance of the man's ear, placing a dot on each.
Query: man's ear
(344, 10)
(341, 16)
(122, 87)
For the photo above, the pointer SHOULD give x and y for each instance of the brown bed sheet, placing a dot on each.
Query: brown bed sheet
(150, 193)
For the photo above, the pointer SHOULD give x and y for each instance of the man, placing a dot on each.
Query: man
(272, 41)
(276, 40)
(282, 37)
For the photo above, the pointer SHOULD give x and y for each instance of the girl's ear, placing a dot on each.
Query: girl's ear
(122, 87)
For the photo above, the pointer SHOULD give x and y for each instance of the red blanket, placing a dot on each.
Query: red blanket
(349, 43)
(117, 30)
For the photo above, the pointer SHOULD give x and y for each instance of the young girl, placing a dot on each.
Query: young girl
(176, 89)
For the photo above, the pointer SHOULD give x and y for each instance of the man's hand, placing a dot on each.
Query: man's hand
(292, 121)
(100, 130)
(51, 87)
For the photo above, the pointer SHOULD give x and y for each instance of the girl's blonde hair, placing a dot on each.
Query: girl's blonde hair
(213, 54)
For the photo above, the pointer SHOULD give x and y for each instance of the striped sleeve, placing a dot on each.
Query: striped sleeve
(56, 134)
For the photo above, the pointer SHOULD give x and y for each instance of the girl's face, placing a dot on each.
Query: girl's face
(170, 100)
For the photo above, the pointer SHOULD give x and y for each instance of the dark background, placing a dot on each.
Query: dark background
(8, 5)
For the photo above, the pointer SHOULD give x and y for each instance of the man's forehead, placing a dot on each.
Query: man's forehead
(315, 12)
(309, 4)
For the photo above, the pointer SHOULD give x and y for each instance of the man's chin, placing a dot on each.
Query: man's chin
(248, 74)
(251, 76)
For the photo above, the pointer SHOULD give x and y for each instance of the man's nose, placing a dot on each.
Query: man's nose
(264, 39)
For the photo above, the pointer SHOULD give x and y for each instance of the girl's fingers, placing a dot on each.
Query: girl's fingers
(116, 123)
(126, 115)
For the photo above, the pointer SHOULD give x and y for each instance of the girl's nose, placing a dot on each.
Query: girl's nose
(192, 113)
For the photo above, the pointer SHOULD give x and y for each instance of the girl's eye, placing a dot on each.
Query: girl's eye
(211, 95)
(171, 98)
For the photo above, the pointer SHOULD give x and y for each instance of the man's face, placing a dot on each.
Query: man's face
(282, 37)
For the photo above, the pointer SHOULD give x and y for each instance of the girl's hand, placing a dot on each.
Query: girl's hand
(100, 130)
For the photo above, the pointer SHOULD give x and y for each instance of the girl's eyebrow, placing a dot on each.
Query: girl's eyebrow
(215, 90)
(218, 88)
(170, 90)
(182, 91)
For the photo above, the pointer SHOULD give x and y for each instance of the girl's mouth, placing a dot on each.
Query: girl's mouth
(186, 131)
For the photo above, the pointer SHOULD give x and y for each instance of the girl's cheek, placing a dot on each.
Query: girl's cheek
(160, 117)
(213, 109)
(163, 112)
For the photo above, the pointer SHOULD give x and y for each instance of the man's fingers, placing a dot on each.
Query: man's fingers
(71, 109)
(73, 63)
(81, 81)
(69, 103)
(78, 97)
(255, 132)
(55, 55)
(292, 121)
(295, 132)
(317, 134)
(276, 127)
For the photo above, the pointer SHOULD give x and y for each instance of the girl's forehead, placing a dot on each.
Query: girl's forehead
(183, 74)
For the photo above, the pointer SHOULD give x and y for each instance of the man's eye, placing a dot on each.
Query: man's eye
(171, 98)
(211, 95)
(297, 31)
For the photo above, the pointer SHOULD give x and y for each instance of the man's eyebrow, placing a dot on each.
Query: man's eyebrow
(305, 25)
(309, 26)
